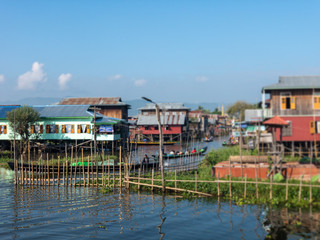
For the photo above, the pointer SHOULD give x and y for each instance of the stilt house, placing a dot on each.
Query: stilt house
(295, 99)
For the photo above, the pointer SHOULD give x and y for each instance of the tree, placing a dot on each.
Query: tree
(216, 111)
(20, 120)
(203, 110)
(237, 109)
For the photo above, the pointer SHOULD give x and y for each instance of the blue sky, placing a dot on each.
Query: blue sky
(171, 51)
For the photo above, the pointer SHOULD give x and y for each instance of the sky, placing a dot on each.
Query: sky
(169, 51)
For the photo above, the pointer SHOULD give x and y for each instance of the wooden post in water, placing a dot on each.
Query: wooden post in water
(113, 174)
(48, 176)
(52, 168)
(83, 176)
(39, 172)
(175, 180)
(120, 177)
(287, 180)
(257, 187)
(218, 183)
(139, 178)
(63, 175)
(300, 188)
(22, 177)
(230, 190)
(67, 173)
(29, 163)
(152, 179)
(271, 181)
(109, 171)
(88, 170)
(59, 171)
(103, 168)
(195, 182)
(32, 172)
(71, 167)
(245, 186)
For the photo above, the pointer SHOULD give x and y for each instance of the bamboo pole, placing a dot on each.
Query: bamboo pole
(175, 179)
(103, 168)
(245, 186)
(32, 172)
(138, 178)
(109, 171)
(152, 179)
(63, 178)
(271, 180)
(39, 172)
(52, 169)
(195, 182)
(300, 188)
(71, 167)
(230, 190)
(287, 190)
(218, 183)
(88, 170)
(83, 175)
(113, 178)
(59, 171)
(120, 156)
(48, 176)
(29, 173)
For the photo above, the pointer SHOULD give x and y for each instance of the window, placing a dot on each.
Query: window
(316, 100)
(52, 128)
(3, 129)
(146, 128)
(83, 128)
(312, 127)
(36, 129)
(167, 128)
(156, 127)
(287, 101)
(67, 128)
(287, 130)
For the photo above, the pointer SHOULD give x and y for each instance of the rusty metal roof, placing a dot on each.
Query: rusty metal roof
(164, 119)
(93, 101)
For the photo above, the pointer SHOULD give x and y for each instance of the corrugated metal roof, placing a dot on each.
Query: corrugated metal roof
(165, 120)
(253, 115)
(295, 82)
(92, 101)
(63, 111)
(165, 106)
(5, 109)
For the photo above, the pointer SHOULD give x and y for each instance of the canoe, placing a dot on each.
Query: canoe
(200, 152)
(154, 143)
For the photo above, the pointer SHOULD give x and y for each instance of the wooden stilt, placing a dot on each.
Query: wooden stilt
(245, 186)
(139, 178)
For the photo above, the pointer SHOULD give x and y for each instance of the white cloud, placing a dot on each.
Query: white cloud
(115, 77)
(201, 79)
(63, 79)
(30, 79)
(2, 78)
(140, 82)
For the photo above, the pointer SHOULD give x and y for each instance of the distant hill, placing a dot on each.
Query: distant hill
(136, 104)
(33, 101)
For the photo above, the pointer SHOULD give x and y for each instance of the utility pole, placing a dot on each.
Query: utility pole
(160, 141)
(95, 134)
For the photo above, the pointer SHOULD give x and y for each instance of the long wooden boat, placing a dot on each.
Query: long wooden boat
(200, 152)
(154, 143)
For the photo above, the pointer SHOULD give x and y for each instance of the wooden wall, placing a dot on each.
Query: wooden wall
(304, 103)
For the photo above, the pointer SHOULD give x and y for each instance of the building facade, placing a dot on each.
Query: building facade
(296, 99)
(174, 120)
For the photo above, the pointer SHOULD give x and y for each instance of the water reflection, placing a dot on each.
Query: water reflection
(57, 212)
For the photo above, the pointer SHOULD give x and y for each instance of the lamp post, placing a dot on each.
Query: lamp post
(160, 140)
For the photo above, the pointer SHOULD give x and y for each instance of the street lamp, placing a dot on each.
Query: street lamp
(160, 140)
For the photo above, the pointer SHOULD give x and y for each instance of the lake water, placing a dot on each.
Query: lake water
(51, 212)
(85, 213)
